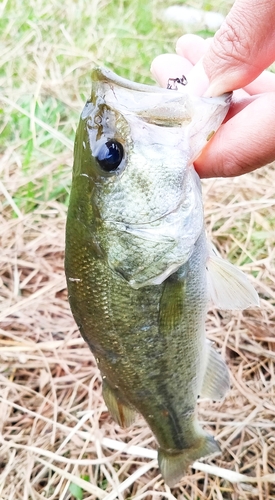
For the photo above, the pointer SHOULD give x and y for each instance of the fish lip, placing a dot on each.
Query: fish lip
(103, 74)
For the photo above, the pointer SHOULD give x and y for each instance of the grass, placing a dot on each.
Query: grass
(57, 440)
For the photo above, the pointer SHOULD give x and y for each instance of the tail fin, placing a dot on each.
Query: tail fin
(173, 464)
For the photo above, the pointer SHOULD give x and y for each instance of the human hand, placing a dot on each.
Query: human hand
(235, 59)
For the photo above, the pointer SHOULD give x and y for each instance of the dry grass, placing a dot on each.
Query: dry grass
(57, 440)
(54, 423)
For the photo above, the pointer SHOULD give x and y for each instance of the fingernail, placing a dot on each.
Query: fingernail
(215, 89)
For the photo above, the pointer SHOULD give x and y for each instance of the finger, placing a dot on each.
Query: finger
(242, 48)
(240, 94)
(243, 143)
(168, 66)
(197, 80)
(264, 83)
(192, 47)
(239, 101)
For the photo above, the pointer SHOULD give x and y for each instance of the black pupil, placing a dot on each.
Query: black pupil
(110, 155)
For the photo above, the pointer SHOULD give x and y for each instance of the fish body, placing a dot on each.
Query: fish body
(137, 260)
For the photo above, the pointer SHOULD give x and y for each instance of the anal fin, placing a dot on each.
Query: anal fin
(216, 380)
(122, 414)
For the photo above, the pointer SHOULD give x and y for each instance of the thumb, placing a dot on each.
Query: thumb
(242, 48)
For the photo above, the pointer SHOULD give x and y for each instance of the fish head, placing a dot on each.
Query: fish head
(134, 187)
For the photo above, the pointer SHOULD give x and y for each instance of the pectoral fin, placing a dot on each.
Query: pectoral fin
(216, 380)
(121, 413)
(229, 288)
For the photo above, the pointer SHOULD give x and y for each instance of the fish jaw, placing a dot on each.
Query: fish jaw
(148, 215)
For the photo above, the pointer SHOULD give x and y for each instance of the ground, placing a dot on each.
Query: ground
(57, 440)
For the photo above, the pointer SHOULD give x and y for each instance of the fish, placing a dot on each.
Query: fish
(140, 271)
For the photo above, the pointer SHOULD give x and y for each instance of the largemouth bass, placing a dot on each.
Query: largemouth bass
(139, 270)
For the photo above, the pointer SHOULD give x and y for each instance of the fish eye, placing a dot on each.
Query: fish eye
(110, 155)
